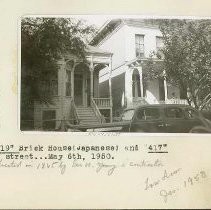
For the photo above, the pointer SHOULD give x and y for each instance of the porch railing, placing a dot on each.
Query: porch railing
(174, 101)
(102, 102)
(73, 108)
(97, 112)
(142, 101)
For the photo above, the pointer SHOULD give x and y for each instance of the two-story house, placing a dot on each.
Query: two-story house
(132, 41)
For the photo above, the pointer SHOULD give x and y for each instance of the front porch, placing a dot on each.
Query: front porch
(80, 83)
(75, 93)
(157, 91)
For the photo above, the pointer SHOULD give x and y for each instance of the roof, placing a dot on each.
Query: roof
(96, 50)
(111, 25)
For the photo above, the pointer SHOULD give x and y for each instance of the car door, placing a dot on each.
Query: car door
(193, 118)
(148, 119)
(175, 120)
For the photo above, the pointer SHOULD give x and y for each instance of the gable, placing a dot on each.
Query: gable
(110, 26)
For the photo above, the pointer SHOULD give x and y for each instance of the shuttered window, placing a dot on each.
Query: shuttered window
(159, 45)
(139, 42)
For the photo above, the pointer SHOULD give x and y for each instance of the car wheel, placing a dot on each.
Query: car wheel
(200, 129)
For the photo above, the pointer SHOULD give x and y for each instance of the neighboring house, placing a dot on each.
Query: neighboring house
(75, 92)
(132, 41)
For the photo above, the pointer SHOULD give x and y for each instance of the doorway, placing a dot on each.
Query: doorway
(82, 86)
(87, 91)
(136, 84)
(161, 89)
(78, 89)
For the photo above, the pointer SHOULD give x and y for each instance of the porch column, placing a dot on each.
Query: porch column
(61, 78)
(61, 90)
(110, 89)
(91, 68)
(141, 80)
(128, 86)
(91, 85)
(72, 80)
(165, 86)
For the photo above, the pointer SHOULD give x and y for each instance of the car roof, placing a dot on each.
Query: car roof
(158, 106)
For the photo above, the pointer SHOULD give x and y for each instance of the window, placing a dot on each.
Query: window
(173, 112)
(49, 119)
(49, 87)
(128, 115)
(183, 92)
(54, 87)
(43, 86)
(68, 83)
(148, 114)
(159, 45)
(190, 113)
(139, 42)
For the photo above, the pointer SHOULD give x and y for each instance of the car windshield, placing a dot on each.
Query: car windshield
(127, 115)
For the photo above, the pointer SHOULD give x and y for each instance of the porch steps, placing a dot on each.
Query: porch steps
(86, 115)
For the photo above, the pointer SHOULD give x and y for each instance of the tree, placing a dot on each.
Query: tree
(43, 42)
(187, 58)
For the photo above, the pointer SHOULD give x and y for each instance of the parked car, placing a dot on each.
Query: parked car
(159, 118)
(206, 114)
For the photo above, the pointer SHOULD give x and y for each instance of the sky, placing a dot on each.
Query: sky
(97, 20)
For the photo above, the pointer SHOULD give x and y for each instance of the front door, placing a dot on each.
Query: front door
(78, 89)
(175, 121)
(181, 120)
(87, 92)
(148, 119)
(82, 89)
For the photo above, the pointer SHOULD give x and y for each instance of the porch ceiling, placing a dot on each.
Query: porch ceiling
(139, 61)
(95, 57)
(99, 67)
(97, 51)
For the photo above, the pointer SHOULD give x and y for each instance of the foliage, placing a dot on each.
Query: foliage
(43, 42)
(187, 57)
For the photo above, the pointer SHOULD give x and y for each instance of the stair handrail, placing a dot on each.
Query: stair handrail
(74, 110)
(96, 111)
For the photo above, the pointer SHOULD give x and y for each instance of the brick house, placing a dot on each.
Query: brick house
(75, 92)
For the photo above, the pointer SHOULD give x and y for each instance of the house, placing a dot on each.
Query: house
(132, 41)
(75, 92)
(111, 79)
